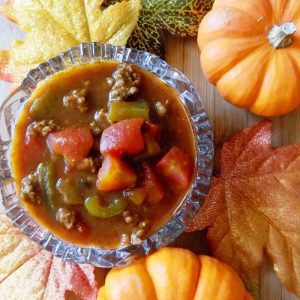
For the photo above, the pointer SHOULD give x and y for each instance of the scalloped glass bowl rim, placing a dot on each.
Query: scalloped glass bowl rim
(91, 53)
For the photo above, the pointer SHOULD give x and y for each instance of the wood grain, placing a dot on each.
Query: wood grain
(226, 120)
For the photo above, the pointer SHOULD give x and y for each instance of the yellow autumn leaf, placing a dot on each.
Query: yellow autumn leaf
(54, 26)
(114, 24)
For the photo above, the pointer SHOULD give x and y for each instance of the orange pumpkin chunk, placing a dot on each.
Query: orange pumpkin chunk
(115, 174)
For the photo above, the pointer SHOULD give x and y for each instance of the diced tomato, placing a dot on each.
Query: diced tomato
(136, 195)
(35, 150)
(155, 191)
(115, 174)
(35, 146)
(153, 129)
(73, 143)
(177, 168)
(123, 137)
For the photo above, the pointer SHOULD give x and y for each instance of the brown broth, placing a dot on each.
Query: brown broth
(103, 233)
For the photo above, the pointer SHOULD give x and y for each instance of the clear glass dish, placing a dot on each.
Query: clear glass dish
(90, 53)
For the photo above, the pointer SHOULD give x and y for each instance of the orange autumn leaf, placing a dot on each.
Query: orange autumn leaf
(254, 206)
(29, 272)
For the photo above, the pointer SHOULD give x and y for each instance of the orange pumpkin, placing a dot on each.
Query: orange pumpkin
(174, 274)
(251, 50)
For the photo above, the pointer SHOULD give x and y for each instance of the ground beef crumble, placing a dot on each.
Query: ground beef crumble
(124, 82)
(42, 128)
(89, 164)
(139, 232)
(99, 123)
(77, 99)
(31, 190)
(136, 237)
(66, 217)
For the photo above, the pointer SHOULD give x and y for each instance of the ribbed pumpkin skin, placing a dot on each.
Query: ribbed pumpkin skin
(174, 274)
(237, 57)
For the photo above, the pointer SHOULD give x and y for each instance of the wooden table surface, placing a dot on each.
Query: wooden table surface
(226, 120)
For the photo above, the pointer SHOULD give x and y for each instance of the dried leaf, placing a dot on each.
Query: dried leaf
(69, 25)
(180, 18)
(54, 26)
(115, 23)
(29, 272)
(11, 72)
(254, 206)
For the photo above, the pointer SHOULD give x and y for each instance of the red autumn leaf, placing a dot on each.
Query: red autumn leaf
(29, 272)
(254, 206)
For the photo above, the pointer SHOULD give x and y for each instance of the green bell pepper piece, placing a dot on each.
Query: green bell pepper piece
(70, 191)
(45, 172)
(115, 207)
(122, 110)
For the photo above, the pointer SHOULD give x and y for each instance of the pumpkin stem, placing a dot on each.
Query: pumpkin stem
(280, 36)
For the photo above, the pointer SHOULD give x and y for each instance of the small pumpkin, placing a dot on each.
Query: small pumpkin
(251, 51)
(174, 274)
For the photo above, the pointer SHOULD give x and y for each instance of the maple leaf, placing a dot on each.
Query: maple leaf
(11, 72)
(6, 10)
(29, 272)
(55, 26)
(179, 18)
(254, 206)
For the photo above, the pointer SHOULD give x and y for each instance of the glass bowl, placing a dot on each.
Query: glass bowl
(90, 53)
